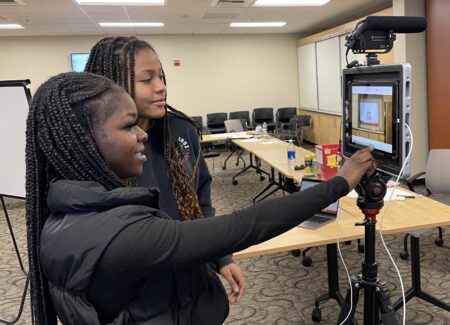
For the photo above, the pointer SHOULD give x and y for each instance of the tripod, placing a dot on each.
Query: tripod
(22, 302)
(377, 302)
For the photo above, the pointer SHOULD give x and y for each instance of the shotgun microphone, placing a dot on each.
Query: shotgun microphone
(378, 32)
(397, 24)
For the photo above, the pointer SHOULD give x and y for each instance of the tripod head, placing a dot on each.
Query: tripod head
(371, 191)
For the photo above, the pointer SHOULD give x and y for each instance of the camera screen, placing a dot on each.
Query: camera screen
(372, 116)
(376, 109)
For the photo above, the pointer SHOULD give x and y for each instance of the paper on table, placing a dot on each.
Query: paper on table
(272, 142)
(241, 136)
(398, 194)
(251, 140)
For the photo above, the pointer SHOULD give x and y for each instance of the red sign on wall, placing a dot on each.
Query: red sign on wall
(176, 63)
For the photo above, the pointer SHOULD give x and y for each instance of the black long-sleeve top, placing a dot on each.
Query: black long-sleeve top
(156, 245)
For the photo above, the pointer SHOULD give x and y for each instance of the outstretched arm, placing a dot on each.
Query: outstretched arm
(157, 244)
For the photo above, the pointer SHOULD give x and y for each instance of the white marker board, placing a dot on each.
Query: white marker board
(15, 99)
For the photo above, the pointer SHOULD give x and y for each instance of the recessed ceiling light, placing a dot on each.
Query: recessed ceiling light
(11, 26)
(287, 3)
(259, 24)
(122, 2)
(131, 24)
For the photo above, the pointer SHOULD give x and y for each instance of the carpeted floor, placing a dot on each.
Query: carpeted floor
(280, 290)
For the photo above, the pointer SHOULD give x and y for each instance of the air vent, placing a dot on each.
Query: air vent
(232, 3)
(11, 3)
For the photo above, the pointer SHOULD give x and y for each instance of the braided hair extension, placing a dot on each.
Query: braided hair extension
(60, 144)
(114, 58)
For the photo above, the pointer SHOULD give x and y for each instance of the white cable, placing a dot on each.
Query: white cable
(346, 271)
(382, 240)
(381, 226)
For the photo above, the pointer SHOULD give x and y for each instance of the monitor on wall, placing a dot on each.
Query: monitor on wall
(78, 61)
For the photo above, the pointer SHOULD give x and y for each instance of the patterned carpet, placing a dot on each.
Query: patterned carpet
(280, 289)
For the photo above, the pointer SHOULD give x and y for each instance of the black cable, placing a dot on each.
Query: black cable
(22, 303)
(346, 55)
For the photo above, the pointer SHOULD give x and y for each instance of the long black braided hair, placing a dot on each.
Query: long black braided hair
(60, 145)
(114, 58)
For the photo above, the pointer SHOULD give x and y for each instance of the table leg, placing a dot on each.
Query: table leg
(416, 288)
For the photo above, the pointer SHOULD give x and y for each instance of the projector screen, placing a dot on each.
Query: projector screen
(14, 105)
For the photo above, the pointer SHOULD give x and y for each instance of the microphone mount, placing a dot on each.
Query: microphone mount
(369, 42)
(376, 35)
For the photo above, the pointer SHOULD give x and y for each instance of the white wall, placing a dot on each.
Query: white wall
(411, 48)
(217, 73)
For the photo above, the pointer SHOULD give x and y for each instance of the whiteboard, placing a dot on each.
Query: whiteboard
(329, 75)
(307, 76)
(14, 108)
(320, 66)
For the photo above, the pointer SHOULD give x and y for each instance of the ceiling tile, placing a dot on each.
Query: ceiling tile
(181, 17)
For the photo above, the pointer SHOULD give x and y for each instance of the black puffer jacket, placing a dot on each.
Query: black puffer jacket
(111, 257)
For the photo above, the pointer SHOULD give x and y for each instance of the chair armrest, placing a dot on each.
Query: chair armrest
(415, 180)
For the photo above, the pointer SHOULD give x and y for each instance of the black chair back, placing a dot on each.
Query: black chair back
(284, 114)
(198, 121)
(263, 114)
(294, 123)
(215, 122)
(244, 116)
(304, 120)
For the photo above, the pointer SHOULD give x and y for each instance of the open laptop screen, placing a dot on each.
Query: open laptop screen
(233, 126)
(307, 183)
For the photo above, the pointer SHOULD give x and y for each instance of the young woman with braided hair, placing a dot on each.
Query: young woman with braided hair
(177, 166)
(97, 248)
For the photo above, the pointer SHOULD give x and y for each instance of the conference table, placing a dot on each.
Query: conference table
(273, 152)
(402, 216)
(227, 138)
(264, 148)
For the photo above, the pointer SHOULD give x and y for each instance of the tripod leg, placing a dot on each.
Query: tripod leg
(8, 221)
(22, 303)
(384, 303)
(350, 298)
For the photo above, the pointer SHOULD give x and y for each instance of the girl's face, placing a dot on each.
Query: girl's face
(120, 140)
(150, 90)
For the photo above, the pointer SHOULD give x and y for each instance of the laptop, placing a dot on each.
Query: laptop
(233, 126)
(325, 216)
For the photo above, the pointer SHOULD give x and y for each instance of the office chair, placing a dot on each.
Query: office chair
(209, 153)
(304, 121)
(292, 132)
(263, 114)
(234, 126)
(198, 120)
(436, 180)
(207, 148)
(244, 116)
(283, 115)
(295, 128)
(215, 122)
(199, 123)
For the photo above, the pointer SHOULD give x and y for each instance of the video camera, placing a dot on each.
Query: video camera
(377, 98)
